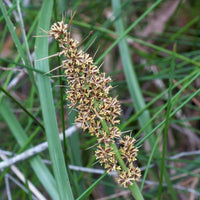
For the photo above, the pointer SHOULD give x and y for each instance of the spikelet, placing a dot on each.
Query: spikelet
(88, 92)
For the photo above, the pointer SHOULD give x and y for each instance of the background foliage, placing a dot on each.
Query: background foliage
(151, 51)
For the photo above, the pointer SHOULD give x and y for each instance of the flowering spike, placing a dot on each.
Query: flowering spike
(88, 91)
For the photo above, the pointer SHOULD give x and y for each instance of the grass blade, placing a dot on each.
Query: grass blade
(47, 105)
(85, 194)
(38, 166)
(131, 77)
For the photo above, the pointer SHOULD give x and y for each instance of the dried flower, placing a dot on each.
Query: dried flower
(88, 92)
(126, 178)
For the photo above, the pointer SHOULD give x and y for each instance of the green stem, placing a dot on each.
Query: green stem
(118, 156)
(136, 191)
(134, 187)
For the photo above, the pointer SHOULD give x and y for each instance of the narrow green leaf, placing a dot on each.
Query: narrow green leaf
(47, 105)
(163, 170)
(85, 194)
(38, 166)
(131, 77)
(13, 32)
(16, 40)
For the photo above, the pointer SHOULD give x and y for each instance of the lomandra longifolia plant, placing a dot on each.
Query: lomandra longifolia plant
(97, 112)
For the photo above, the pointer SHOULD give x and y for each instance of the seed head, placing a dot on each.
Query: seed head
(88, 92)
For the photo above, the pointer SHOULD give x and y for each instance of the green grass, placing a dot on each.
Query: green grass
(164, 115)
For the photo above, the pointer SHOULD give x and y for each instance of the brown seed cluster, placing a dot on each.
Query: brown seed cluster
(88, 92)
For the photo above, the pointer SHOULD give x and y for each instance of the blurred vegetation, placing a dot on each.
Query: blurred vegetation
(151, 51)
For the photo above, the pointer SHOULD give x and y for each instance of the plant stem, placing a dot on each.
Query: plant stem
(134, 187)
